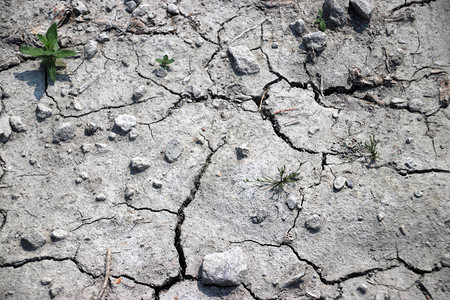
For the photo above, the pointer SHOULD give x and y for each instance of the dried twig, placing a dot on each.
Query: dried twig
(262, 99)
(107, 270)
(244, 32)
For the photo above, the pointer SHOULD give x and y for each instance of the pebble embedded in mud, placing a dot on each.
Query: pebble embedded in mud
(339, 183)
(173, 150)
(32, 240)
(225, 268)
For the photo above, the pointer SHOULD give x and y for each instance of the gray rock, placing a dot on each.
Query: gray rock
(315, 40)
(173, 9)
(90, 49)
(55, 290)
(17, 124)
(243, 61)
(43, 112)
(445, 260)
(350, 183)
(130, 6)
(298, 27)
(161, 72)
(32, 240)
(5, 129)
(102, 38)
(100, 197)
(64, 132)
(129, 192)
(80, 8)
(139, 92)
(224, 269)
(101, 148)
(415, 105)
(362, 7)
(112, 136)
(291, 202)
(58, 235)
(313, 223)
(141, 10)
(139, 164)
(157, 184)
(334, 13)
(90, 128)
(242, 151)
(134, 133)
(85, 148)
(125, 122)
(194, 92)
(339, 183)
(173, 150)
(46, 280)
(259, 216)
(418, 194)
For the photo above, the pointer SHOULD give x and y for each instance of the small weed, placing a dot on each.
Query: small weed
(320, 21)
(277, 184)
(165, 61)
(371, 147)
(50, 52)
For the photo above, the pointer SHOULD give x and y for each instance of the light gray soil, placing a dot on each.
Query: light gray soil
(166, 167)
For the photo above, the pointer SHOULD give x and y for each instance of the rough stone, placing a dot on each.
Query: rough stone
(157, 184)
(100, 197)
(16, 124)
(224, 269)
(313, 223)
(139, 164)
(298, 27)
(130, 6)
(259, 216)
(129, 192)
(5, 129)
(125, 122)
(141, 10)
(334, 13)
(58, 235)
(90, 128)
(32, 240)
(242, 152)
(339, 183)
(90, 49)
(80, 8)
(55, 290)
(173, 150)
(173, 9)
(43, 112)
(363, 8)
(103, 38)
(134, 133)
(315, 40)
(64, 132)
(291, 202)
(242, 60)
(139, 92)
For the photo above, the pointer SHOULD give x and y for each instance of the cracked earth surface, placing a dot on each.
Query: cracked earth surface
(172, 190)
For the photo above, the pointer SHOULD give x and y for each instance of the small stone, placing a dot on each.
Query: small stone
(410, 164)
(64, 133)
(32, 161)
(339, 183)
(134, 133)
(46, 280)
(151, 15)
(16, 124)
(409, 140)
(297, 27)
(141, 10)
(415, 105)
(102, 38)
(313, 223)
(362, 289)
(90, 128)
(335, 115)
(80, 9)
(58, 235)
(362, 7)
(85, 148)
(5, 129)
(139, 164)
(78, 180)
(260, 216)
(194, 92)
(380, 216)
(173, 9)
(32, 240)
(139, 92)
(350, 183)
(90, 49)
(242, 60)
(160, 72)
(101, 148)
(275, 45)
(242, 151)
(291, 202)
(224, 269)
(43, 112)
(100, 197)
(315, 40)
(129, 192)
(173, 150)
(334, 13)
(84, 175)
(125, 122)
(418, 194)
(157, 184)
(130, 6)
(445, 260)
(112, 136)
(55, 290)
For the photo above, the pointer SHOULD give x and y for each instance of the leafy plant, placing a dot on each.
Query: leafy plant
(371, 147)
(50, 52)
(277, 184)
(165, 61)
(320, 21)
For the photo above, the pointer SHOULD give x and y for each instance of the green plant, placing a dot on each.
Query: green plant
(165, 61)
(371, 147)
(50, 52)
(277, 184)
(320, 21)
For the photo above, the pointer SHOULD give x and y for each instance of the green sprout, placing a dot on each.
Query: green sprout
(50, 52)
(320, 21)
(277, 184)
(371, 147)
(165, 62)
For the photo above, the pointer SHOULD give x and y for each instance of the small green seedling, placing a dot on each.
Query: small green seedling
(165, 62)
(371, 147)
(277, 184)
(50, 52)
(320, 21)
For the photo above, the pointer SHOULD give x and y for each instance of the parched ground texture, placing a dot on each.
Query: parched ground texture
(246, 95)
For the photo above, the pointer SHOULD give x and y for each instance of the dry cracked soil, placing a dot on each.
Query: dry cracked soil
(270, 160)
